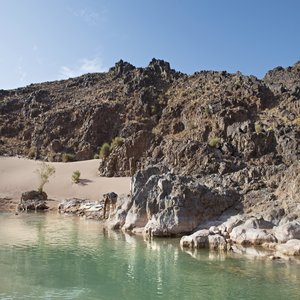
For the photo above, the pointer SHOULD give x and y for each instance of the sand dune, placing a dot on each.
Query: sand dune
(18, 175)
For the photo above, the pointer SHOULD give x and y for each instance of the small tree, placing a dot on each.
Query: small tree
(105, 150)
(76, 176)
(45, 171)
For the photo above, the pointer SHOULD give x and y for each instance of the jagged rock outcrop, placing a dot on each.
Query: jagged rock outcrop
(168, 204)
(32, 200)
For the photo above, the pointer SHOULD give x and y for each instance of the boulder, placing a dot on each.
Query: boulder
(203, 239)
(287, 231)
(33, 195)
(258, 223)
(217, 242)
(251, 236)
(199, 239)
(33, 200)
(232, 222)
(171, 205)
(72, 205)
(253, 232)
(82, 207)
(290, 248)
(117, 216)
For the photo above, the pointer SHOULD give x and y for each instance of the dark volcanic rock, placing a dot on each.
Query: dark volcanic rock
(224, 129)
(33, 200)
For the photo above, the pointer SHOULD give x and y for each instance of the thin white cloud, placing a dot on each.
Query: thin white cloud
(85, 66)
(87, 15)
(90, 16)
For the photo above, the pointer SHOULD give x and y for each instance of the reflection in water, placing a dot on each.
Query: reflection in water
(47, 256)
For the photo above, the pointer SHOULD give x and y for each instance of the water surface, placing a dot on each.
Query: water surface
(47, 256)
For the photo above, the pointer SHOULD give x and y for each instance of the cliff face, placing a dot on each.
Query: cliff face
(204, 124)
(78, 115)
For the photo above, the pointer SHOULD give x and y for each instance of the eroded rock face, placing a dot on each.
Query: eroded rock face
(169, 204)
(125, 160)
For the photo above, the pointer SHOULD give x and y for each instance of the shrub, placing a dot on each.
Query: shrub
(45, 171)
(117, 142)
(104, 151)
(76, 176)
(258, 128)
(214, 142)
(66, 157)
(297, 122)
(156, 131)
(96, 156)
(32, 152)
(207, 111)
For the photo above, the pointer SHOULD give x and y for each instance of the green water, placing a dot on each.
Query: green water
(44, 256)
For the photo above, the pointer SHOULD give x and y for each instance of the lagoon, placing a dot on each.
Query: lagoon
(49, 256)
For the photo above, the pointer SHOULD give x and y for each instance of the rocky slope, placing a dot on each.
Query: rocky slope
(206, 123)
(213, 132)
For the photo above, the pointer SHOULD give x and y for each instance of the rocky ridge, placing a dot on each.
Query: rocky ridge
(200, 146)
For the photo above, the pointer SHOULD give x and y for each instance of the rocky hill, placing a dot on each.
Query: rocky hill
(203, 124)
(229, 139)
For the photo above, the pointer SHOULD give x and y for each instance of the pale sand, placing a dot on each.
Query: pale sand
(18, 175)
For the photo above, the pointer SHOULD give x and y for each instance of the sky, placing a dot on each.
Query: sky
(45, 40)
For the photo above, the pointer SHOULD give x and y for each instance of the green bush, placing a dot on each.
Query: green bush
(66, 157)
(296, 122)
(76, 176)
(214, 142)
(96, 156)
(117, 142)
(258, 128)
(45, 171)
(104, 151)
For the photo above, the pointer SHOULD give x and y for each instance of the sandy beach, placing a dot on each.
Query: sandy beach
(19, 174)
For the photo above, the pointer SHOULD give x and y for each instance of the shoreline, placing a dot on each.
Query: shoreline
(18, 175)
(253, 252)
(102, 199)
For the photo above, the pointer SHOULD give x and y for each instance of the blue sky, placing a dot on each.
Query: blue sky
(55, 39)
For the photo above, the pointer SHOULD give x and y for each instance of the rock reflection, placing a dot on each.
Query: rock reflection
(60, 256)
